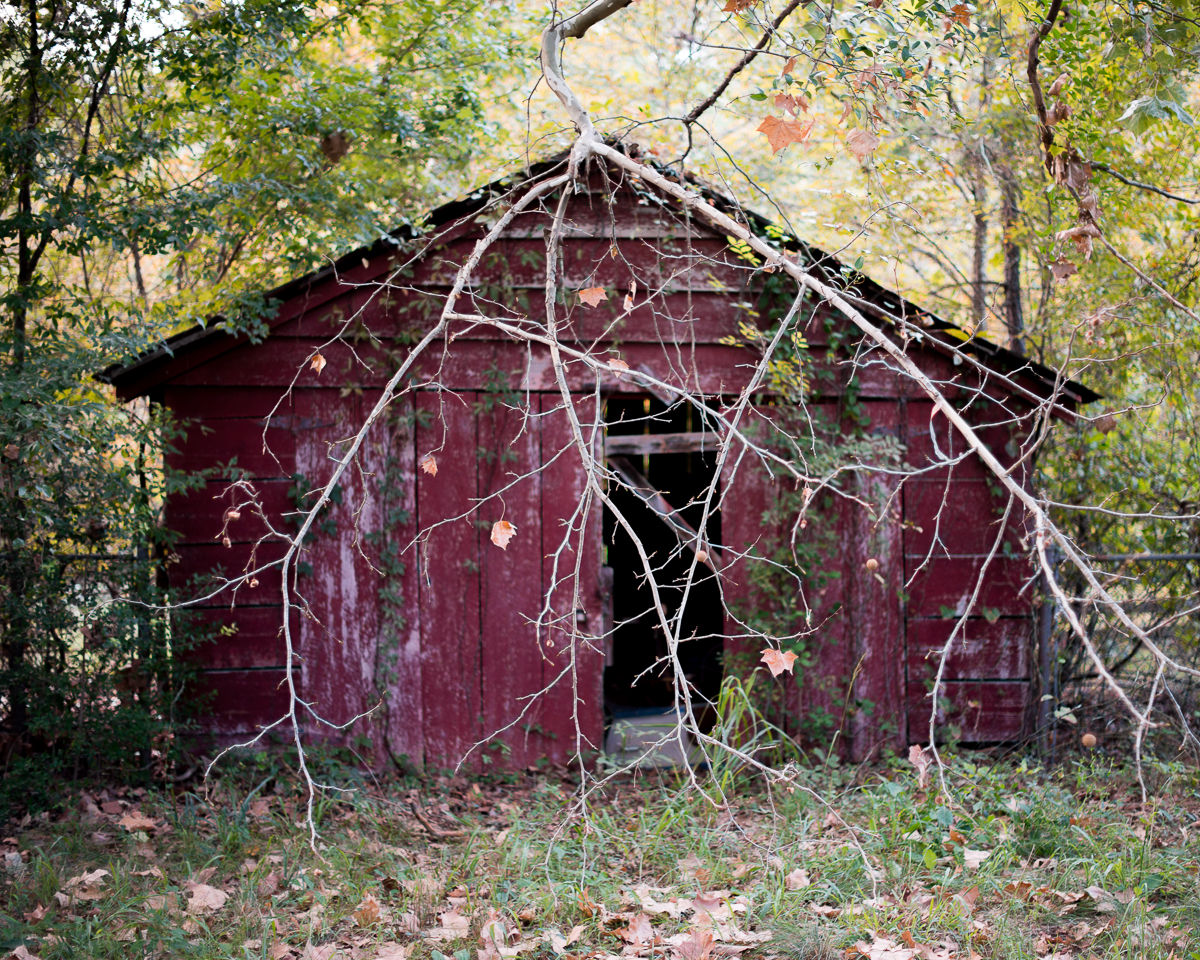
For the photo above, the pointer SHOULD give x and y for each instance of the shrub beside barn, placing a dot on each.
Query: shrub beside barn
(405, 602)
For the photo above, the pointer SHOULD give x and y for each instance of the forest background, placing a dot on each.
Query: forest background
(164, 164)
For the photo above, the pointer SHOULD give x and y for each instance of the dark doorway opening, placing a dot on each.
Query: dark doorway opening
(636, 679)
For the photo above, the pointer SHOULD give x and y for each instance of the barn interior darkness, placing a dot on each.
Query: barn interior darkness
(635, 679)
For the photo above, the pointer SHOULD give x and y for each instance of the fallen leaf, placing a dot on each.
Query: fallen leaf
(268, 885)
(699, 946)
(592, 296)
(689, 866)
(452, 925)
(394, 951)
(429, 465)
(797, 879)
(367, 913)
(136, 820)
(502, 533)
(152, 871)
(318, 363)
(973, 858)
(12, 451)
(21, 953)
(778, 661)
(861, 143)
(780, 132)
(36, 915)
(640, 930)
(204, 899)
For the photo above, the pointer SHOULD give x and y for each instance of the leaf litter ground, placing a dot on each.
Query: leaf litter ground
(1018, 864)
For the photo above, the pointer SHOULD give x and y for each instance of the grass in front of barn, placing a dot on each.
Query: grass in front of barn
(1020, 864)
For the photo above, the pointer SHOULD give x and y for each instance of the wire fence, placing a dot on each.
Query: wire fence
(1160, 592)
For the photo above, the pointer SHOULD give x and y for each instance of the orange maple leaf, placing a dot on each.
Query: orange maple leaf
(429, 465)
(737, 6)
(781, 132)
(593, 295)
(778, 661)
(960, 13)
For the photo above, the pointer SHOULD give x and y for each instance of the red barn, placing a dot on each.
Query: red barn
(404, 600)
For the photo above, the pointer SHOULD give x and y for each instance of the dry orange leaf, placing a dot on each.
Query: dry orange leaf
(781, 132)
(593, 295)
(862, 143)
(737, 6)
(135, 820)
(502, 533)
(429, 465)
(318, 363)
(367, 914)
(616, 363)
(778, 661)
(960, 13)
(795, 105)
(789, 66)
(1063, 270)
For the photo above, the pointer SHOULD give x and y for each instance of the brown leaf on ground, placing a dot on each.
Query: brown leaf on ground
(203, 898)
(502, 533)
(797, 879)
(592, 296)
(36, 915)
(699, 946)
(136, 820)
(780, 132)
(452, 925)
(367, 913)
(639, 931)
(260, 808)
(778, 661)
(268, 885)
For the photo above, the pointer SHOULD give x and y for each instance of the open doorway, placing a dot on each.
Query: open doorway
(670, 458)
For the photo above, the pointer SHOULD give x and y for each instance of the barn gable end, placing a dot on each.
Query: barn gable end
(406, 604)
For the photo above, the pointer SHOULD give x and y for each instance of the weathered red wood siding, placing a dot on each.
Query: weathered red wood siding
(446, 645)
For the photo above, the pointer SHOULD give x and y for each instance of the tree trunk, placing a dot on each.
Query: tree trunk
(1010, 214)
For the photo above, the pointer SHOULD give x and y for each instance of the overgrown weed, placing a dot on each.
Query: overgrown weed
(1017, 863)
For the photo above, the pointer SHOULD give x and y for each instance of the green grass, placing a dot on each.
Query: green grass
(526, 853)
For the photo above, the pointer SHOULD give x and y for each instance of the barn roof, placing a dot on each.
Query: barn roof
(872, 298)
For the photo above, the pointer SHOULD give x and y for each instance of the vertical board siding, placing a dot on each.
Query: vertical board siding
(389, 459)
(339, 633)
(574, 657)
(876, 615)
(952, 522)
(510, 488)
(449, 578)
